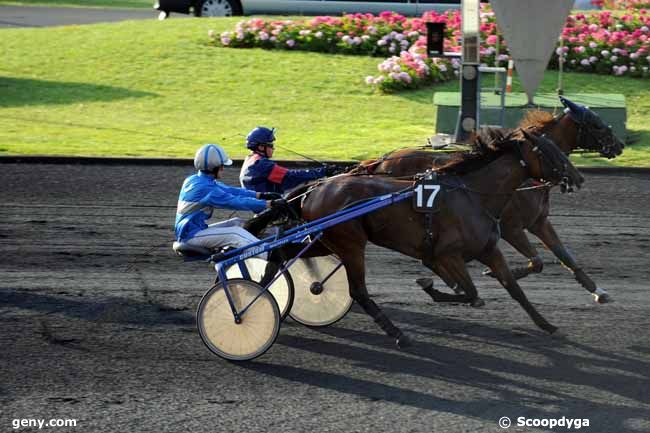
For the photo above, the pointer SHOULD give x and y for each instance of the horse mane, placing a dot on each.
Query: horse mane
(536, 119)
(486, 146)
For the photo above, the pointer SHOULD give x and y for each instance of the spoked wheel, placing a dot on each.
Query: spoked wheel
(322, 291)
(243, 341)
(282, 289)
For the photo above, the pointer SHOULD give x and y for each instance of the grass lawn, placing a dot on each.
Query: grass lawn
(81, 3)
(151, 88)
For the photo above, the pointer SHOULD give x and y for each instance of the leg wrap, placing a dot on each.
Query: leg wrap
(384, 323)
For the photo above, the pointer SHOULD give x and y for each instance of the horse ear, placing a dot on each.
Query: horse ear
(572, 106)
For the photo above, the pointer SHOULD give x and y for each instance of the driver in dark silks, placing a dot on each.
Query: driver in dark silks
(260, 173)
(202, 192)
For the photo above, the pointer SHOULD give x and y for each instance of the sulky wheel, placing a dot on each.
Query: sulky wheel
(282, 289)
(319, 303)
(257, 331)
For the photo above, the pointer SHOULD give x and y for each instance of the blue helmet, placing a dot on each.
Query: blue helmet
(260, 136)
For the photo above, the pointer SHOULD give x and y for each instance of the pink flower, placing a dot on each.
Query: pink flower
(370, 79)
(492, 40)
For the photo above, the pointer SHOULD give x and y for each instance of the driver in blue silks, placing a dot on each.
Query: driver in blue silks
(202, 192)
(260, 173)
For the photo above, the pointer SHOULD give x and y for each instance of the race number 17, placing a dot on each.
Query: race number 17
(426, 192)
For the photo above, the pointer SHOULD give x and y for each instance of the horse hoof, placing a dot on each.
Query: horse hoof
(477, 303)
(425, 283)
(558, 334)
(403, 341)
(602, 298)
(488, 273)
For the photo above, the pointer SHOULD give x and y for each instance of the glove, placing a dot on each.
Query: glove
(270, 196)
(279, 203)
(331, 170)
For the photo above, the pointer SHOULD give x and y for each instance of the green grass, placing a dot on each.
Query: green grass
(81, 3)
(151, 88)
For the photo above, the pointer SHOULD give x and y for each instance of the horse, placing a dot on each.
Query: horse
(577, 127)
(476, 187)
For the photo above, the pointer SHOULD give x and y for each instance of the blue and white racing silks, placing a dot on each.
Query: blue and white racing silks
(201, 193)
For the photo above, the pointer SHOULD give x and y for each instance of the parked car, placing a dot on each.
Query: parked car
(220, 8)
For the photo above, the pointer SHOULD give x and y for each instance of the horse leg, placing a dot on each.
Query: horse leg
(544, 230)
(354, 262)
(456, 269)
(516, 237)
(497, 263)
(426, 284)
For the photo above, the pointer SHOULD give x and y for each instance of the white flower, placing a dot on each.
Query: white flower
(442, 67)
(584, 62)
(604, 53)
(616, 50)
(613, 58)
(357, 40)
(346, 39)
(592, 44)
(319, 34)
(381, 42)
(634, 56)
(593, 59)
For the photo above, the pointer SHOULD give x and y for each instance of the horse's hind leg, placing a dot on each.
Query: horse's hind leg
(499, 267)
(544, 230)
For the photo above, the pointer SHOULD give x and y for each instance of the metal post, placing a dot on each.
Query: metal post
(560, 62)
(468, 119)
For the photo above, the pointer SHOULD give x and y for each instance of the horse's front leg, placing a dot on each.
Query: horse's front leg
(544, 230)
(354, 261)
(515, 236)
(497, 263)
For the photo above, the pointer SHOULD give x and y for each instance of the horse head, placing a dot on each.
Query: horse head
(592, 133)
(546, 161)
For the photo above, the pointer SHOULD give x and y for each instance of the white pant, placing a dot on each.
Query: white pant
(225, 233)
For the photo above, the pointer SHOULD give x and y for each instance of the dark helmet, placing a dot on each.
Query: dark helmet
(260, 136)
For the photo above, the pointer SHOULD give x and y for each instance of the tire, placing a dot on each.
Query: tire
(282, 290)
(259, 326)
(322, 309)
(217, 8)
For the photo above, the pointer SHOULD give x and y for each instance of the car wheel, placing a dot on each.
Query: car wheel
(217, 8)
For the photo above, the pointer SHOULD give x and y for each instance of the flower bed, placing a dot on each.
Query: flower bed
(599, 42)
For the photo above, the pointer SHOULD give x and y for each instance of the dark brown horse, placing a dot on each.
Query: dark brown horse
(529, 208)
(475, 189)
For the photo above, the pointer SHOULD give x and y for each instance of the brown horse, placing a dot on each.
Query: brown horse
(475, 189)
(529, 207)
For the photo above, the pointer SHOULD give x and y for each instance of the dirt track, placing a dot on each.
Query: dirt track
(83, 338)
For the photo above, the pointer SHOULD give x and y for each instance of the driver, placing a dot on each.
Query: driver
(260, 173)
(202, 192)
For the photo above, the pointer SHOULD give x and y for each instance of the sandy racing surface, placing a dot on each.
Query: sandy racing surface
(85, 337)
